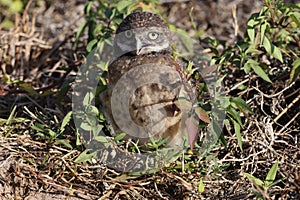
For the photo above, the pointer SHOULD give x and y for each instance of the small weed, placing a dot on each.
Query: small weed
(262, 187)
(50, 135)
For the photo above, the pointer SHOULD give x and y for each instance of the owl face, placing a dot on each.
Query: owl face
(142, 33)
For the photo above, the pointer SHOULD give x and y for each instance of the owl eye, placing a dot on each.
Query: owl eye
(153, 35)
(128, 34)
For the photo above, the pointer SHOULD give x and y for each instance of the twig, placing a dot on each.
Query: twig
(187, 185)
(33, 115)
(158, 192)
(274, 95)
(242, 159)
(239, 84)
(287, 108)
(293, 36)
(287, 124)
(236, 25)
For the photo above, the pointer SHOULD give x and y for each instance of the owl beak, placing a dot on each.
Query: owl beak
(142, 48)
(139, 46)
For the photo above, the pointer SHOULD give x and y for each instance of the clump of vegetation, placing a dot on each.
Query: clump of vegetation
(269, 48)
(271, 37)
(262, 187)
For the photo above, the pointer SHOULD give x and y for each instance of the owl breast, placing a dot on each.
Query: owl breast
(153, 84)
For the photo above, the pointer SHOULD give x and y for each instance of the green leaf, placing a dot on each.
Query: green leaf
(52, 134)
(119, 137)
(271, 175)
(263, 28)
(11, 115)
(295, 17)
(16, 6)
(254, 180)
(88, 7)
(91, 45)
(7, 24)
(85, 156)
(27, 87)
(241, 104)
(235, 115)
(201, 186)
(97, 128)
(65, 143)
(257, 69)
(123, 4)
(99, 29)
(38, 127)
(251, 29)
(88, 98)
(252, 49)
(216, 131)
(14, 120)
(247, 68)
(185, 42)
(260, 72)
(272, 49)
(295, 70)
(183, 103)
(237, 130)
(42, 135)
(85, 126)
(101, 139)
(226, 102)
(65, 121)
(277, 181)
(79, 32)
(92, 110)
(78, 141)
(161, 141)
(152, 142)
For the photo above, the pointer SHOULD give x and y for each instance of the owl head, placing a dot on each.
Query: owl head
(142, 33)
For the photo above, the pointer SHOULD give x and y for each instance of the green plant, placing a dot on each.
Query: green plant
(8, 9)
(274, 28)
(262, 186)
(233, 106)
(272, 32)
(11, 123)
(50, 135)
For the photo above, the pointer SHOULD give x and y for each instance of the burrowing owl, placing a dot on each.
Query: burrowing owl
(144, 82)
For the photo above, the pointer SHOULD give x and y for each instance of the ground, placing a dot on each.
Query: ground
(40, 51)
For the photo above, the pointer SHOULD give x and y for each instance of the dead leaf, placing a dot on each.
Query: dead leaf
(2, 92)
(193, 130)
(202, 114)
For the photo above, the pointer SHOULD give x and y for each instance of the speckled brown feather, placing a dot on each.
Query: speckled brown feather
(141, 20)
(143, 98)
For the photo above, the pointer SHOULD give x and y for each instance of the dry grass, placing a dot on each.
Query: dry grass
(38, 59)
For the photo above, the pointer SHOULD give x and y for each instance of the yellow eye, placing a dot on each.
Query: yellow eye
(128, 34)
(153, 35)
